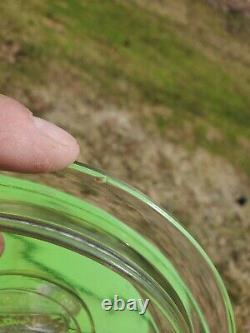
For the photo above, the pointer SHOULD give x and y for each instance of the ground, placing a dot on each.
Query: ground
(157, 93)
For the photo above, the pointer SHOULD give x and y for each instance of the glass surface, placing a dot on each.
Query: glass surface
(76, 238)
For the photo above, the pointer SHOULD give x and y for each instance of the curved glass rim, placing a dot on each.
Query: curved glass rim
(110, 180)
(101, 177)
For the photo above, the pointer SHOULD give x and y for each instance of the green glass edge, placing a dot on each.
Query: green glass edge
(105, 178)
(34, 189)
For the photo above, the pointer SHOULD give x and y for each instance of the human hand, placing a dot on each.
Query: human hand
(30, 144)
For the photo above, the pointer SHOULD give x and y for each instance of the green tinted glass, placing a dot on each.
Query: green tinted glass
(87, 253)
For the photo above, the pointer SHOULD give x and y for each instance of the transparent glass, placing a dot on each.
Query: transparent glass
(77, 238)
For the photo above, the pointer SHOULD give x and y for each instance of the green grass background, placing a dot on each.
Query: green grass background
(130, 56)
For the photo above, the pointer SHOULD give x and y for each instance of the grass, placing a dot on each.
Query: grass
(130, 57)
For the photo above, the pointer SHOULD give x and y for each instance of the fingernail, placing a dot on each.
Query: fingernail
(53, 132)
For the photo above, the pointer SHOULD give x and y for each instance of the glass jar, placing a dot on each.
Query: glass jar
(84, 252)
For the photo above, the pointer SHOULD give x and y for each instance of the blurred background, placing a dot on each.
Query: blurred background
(158, 94)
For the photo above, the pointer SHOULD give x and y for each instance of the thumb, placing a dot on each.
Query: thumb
(31, 144)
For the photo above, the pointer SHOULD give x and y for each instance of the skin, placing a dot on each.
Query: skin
(30, 144)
